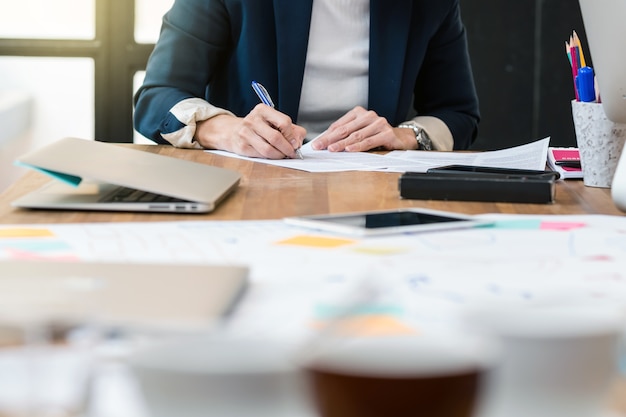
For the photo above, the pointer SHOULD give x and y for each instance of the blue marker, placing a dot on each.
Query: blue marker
(585, 84)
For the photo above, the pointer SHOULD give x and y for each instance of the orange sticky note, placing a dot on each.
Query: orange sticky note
(24, 232)
(316, 241)
(371, 326)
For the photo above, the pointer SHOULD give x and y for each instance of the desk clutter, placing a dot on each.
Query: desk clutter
(314, 293)
(463, 316)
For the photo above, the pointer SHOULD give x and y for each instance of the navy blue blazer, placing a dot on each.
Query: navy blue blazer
(213, 49)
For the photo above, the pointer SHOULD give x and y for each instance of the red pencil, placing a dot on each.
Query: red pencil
(572, 51)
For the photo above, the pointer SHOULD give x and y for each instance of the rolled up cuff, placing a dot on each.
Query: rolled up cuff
(189, 112)
(437, 131)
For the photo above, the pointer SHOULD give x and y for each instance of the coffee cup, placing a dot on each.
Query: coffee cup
(557, 360)
(219, 376)
(410, 375)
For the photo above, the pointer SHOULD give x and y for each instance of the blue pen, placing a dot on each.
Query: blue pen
(585, 84)
(262, 93)
(265, 98)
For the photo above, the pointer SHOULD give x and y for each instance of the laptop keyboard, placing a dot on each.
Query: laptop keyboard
(131, 195)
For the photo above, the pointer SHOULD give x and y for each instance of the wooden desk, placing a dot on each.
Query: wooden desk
(269, 192)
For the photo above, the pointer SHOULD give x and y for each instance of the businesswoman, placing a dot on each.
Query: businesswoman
(366, 73)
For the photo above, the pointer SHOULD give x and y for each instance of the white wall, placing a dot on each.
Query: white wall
(62, 94)
(15, 132)
(61, 90)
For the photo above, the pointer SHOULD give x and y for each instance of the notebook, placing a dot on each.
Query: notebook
(92, 175)
(565, 161)
(150, 296)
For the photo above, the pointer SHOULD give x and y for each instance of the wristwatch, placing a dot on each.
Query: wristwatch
(423, 141)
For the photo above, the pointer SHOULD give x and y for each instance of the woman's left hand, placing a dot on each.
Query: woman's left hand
(362, 130)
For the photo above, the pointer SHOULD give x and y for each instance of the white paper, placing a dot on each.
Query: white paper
(298, 277)
(529, 156)
(295, 284)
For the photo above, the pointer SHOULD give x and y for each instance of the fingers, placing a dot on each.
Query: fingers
(267, 133)
(338, 131)
(358, 130)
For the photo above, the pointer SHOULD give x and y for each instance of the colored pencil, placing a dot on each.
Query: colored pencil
(580, 48)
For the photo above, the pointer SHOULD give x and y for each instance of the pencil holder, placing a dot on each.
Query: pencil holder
(600, 143)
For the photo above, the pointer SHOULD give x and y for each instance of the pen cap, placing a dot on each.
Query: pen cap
(585, 84)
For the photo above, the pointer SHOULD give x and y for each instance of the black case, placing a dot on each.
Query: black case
(473, 183)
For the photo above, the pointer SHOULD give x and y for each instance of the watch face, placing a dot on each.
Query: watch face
(424, 141)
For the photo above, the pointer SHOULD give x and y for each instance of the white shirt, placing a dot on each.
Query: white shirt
(336, 73)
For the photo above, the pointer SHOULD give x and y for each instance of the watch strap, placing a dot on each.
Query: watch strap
(423, 141)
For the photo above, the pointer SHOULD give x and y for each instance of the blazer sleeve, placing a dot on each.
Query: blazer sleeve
(445, 86)
(185, 58)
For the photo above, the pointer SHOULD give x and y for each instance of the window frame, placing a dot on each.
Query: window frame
(117, 57)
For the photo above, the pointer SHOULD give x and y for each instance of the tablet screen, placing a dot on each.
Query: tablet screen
(389, 219)
(386, 222)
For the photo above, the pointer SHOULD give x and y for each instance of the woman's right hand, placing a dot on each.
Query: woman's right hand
(263, 133)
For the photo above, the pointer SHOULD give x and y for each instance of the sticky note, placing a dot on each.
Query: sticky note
(328, 311)
(561, 225)
(370, 326)
(316, 241)
(536, 224)
(36, 245)
(380, 250)
(17, 232)
(523, 224)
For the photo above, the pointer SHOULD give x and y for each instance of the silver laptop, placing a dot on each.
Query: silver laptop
(146, 295)
(605, 26)
(91, 175)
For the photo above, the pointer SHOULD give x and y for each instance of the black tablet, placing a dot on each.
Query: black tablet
(395, 221)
